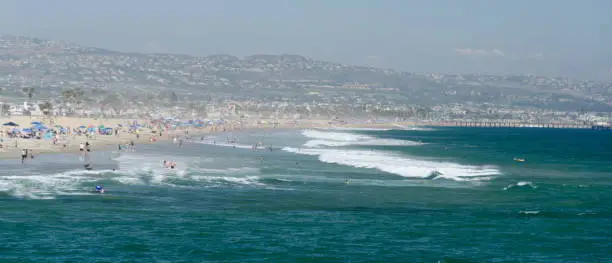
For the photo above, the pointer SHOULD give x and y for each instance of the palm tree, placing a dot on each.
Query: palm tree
(73, 95)
(29, 92)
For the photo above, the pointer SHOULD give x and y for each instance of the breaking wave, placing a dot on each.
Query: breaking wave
(134, 169)
(355, 129)
(336, 139)
(401, 165)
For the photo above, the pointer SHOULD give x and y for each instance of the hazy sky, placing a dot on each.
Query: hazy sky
(551, 37)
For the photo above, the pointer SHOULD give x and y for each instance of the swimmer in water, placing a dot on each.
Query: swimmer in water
(99, 189)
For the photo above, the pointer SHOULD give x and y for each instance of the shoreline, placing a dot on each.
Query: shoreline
(12, 147)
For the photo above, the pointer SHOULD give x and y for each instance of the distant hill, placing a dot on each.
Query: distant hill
(55, 65)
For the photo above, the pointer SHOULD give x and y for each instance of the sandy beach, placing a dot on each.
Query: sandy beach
(11, 148)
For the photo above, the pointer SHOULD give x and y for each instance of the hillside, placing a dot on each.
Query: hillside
(52, 66)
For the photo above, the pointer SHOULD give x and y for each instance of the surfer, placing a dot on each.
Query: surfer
(99, 189)
(88, 167)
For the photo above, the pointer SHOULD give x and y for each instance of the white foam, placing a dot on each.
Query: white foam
(247, 180)
(143, 167)
(372, 142)
(134, 169)
(48, 186)
(412, 128)
(335, 136)
(356, 129)
(337, 139)
(521, 184)
(400, 165)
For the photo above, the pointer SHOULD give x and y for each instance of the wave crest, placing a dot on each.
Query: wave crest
(400, 165)
(338, 139)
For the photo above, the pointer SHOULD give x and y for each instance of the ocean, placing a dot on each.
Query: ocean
(320, 195)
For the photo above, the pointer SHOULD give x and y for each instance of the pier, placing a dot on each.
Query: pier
(601, 127)
(499, 124)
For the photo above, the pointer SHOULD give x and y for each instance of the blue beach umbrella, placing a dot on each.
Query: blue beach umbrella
(39, 128)
(36, 123)
(10, 123)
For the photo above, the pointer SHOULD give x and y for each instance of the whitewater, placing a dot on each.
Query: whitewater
(319, 195)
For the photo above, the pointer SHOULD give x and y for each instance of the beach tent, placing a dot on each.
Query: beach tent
(10, 123)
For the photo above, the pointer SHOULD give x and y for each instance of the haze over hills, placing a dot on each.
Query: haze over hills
(52, 66)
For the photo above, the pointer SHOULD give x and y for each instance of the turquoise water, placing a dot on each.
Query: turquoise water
(321, 196)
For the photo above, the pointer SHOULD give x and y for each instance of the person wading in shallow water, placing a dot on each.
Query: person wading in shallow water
(24, 155)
